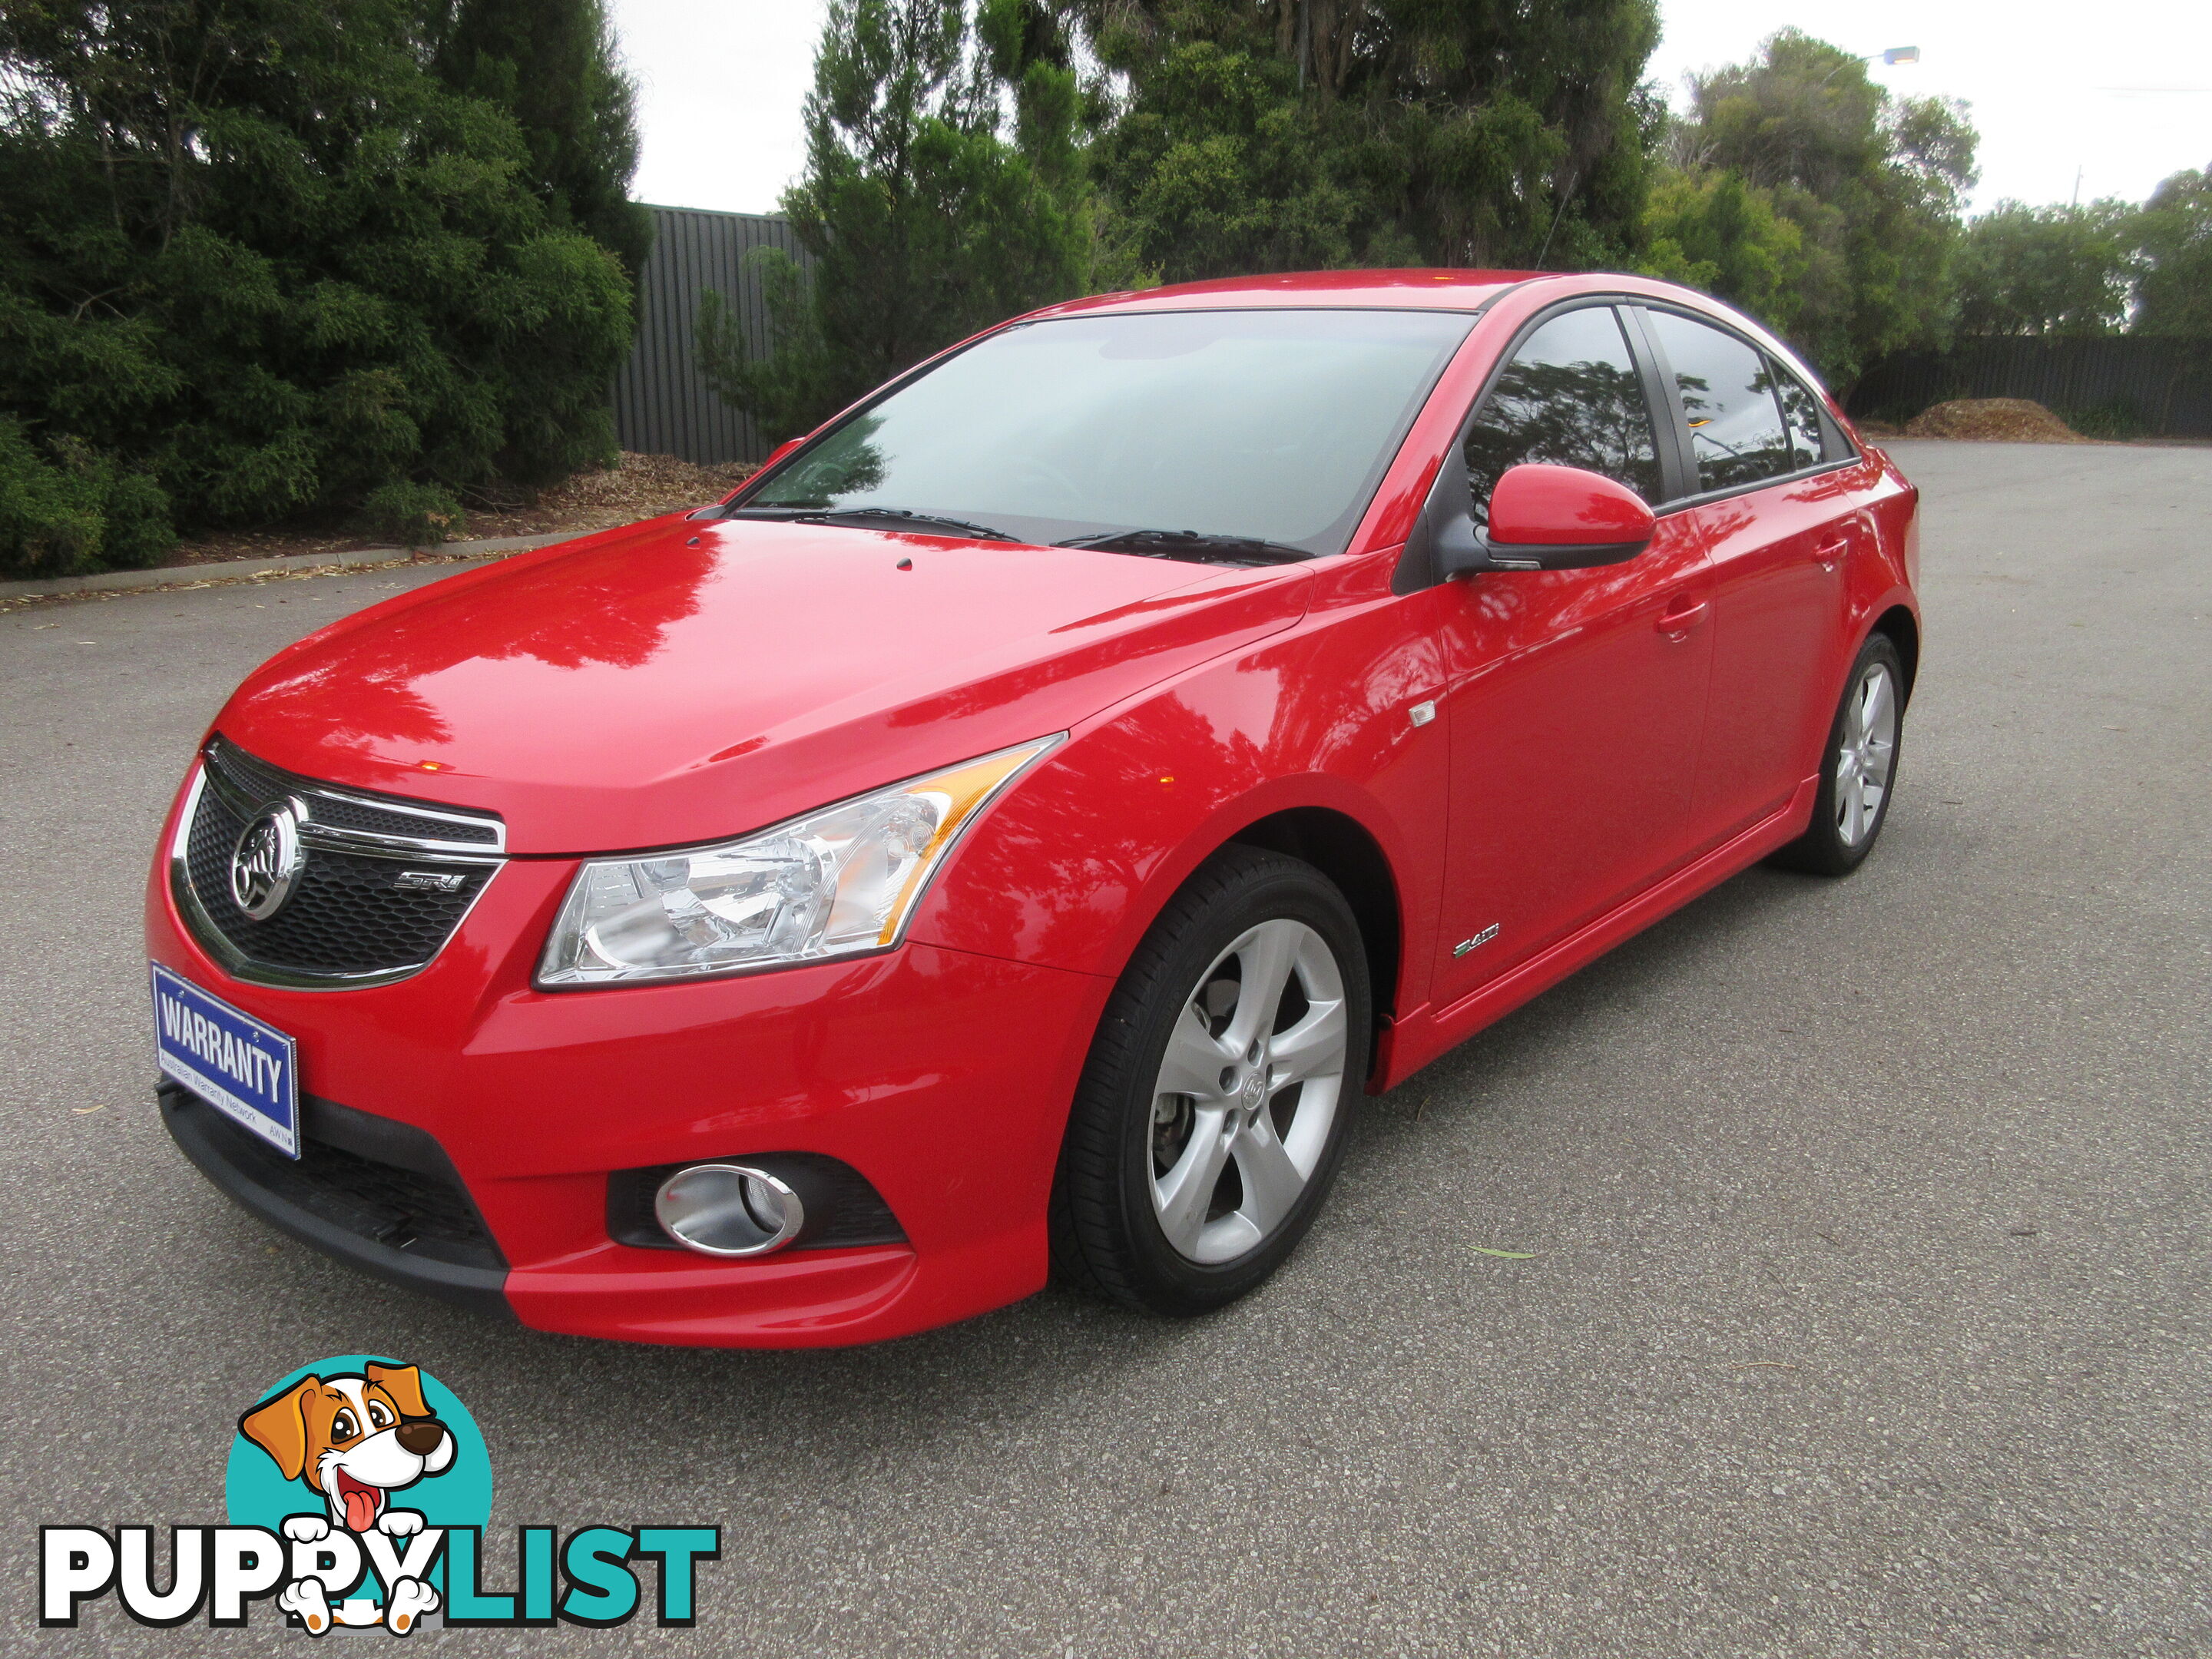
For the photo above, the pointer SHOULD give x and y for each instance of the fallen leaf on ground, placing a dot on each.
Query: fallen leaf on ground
(1510, 1255)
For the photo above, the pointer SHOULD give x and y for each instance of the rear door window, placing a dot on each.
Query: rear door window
(1571, 395)
(1726, 391)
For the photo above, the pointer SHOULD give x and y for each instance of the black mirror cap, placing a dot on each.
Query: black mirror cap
(1581, 556)
(1456, 548)
(1445, 543)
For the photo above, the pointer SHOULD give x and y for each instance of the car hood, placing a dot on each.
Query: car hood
(682, 681)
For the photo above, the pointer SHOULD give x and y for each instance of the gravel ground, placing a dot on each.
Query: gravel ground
(1865, 1304)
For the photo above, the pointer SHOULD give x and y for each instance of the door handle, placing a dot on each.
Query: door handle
(1830, 554)
(1680, 616)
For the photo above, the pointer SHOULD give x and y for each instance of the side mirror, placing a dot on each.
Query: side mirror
(1541, 518)
(1561, 518)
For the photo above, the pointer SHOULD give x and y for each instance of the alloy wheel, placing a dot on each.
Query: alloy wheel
(1868, 751)
(1247, 1092)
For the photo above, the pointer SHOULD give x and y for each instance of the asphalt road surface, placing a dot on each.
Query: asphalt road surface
(1865, 1304)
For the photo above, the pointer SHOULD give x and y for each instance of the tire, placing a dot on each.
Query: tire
(1136, 1215)
(1858, 768)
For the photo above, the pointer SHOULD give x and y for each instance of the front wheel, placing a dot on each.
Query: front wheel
(1858, 769)
(1213, 1111)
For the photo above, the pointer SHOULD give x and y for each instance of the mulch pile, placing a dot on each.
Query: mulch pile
(2000, 420)
(639, 487)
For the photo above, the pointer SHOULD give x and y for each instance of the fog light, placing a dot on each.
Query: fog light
(728, 1209)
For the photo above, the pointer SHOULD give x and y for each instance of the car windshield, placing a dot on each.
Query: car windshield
(1243, 435)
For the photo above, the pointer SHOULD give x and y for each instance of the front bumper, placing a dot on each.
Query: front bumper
(358, 1205)
(941, 1076)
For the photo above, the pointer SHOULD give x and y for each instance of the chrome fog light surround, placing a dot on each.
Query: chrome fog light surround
(729, 1210)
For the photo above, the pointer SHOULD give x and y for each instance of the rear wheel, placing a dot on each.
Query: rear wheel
(1858, 769)
(1213, 1108)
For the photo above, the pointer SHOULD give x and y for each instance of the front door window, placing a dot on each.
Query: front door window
(1571, 395)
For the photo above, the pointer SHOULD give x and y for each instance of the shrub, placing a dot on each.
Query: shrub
(2115, 417)
(262, 257)
(413, 514)
(69, 510)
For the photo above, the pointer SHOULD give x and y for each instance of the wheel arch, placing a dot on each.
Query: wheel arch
(1902, 628)
(1341, 848)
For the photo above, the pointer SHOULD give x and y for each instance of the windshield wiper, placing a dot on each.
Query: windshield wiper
(897, 515)
(1192, 544)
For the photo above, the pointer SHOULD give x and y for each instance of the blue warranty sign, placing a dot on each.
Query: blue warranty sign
(235, 1062)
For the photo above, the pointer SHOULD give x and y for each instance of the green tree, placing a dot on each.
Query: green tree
(2024, 269)
(552, 65)
(1874, 184)
(1712, 231)
(2174, 294)
(255, 259)
(925, 219)
(1272, 135)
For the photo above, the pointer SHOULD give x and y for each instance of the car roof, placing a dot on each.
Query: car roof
(1428, 290)
(1432, 289)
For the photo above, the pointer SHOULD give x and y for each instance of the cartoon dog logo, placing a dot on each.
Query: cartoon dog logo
(354, 1439)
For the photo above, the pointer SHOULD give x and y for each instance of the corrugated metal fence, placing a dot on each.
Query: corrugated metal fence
(662, 406)
(2119, 384)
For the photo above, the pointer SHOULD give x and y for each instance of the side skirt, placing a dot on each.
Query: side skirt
(1423, 1035)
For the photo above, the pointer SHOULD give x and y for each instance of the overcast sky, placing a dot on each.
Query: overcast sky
(2120, 94)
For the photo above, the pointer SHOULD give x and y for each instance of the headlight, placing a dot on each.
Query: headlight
(835, 883)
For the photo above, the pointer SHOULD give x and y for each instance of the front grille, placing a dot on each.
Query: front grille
(344, 917)
(364, 909)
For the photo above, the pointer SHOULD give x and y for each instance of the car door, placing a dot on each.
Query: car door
(1777, 524)
(1575, 696)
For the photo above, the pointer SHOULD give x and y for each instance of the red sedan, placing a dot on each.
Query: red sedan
(1014, 829)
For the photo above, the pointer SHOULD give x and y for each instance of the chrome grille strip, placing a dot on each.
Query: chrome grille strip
(253, 784)
(367, 844)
